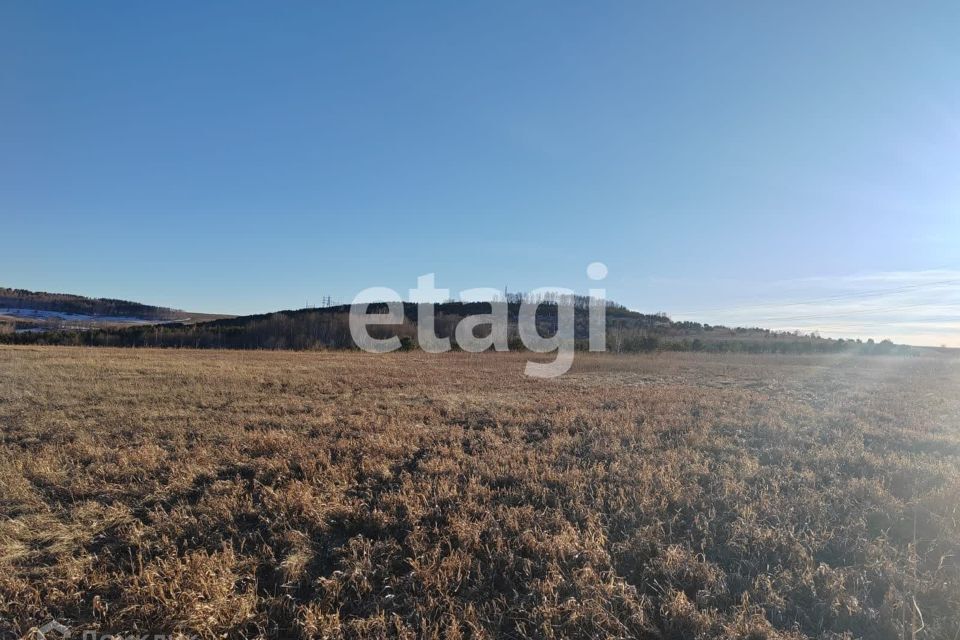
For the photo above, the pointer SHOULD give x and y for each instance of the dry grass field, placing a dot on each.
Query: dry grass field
(266, 494)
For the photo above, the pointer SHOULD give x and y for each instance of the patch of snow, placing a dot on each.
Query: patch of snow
(40, 314)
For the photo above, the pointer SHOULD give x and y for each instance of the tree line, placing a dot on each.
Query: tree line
(67, 303)
(308, 329)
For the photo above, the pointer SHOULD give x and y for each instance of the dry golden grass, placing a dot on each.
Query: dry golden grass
(246, 494)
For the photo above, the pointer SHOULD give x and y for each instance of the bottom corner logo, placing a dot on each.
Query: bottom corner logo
(46, 632)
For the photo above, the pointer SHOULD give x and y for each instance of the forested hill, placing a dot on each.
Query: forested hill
(328, 328)
(21, 299)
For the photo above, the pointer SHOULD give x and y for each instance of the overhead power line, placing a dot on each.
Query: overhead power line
(835, 298)
(840, 314)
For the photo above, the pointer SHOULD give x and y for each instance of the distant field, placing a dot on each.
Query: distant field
(294, 494)
(42, 315)
(39, 320)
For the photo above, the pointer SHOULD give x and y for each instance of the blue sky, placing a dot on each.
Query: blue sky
(751, 163)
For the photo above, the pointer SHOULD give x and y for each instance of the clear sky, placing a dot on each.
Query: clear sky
(792, 165)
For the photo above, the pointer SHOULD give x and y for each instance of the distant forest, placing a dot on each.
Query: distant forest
(328, 328)
(66, 303)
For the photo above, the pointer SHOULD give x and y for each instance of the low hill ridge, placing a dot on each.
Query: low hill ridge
(328, 328)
